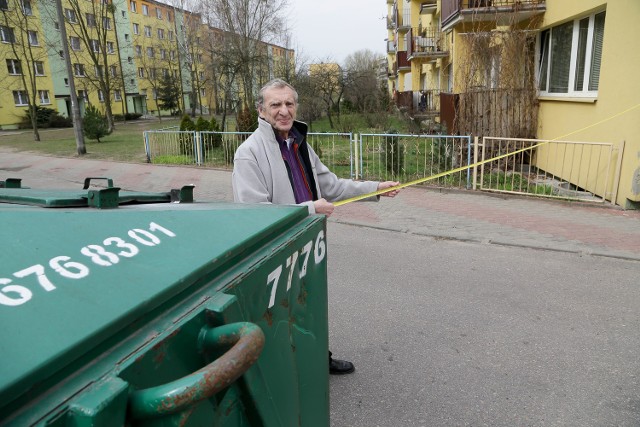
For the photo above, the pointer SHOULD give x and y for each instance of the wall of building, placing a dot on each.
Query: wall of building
(608, 117)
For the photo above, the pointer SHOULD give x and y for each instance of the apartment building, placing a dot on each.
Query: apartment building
(526, 69)
(120, 52)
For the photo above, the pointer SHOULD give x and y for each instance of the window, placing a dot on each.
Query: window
(13, 66)
(4, 5)
(56, 25)
(110, 48)
(158, 13)
(106, 23)
(570, 57)
(26, 7)
(170, 34)
(98, 70)
(113, 70)
(145, 10)
(70, 14)
(165, 73)
(117, 96)
(169, 17)
(78, 70)
(66, 81)
(202, 92)
(147, 31)
(126, 37)
(150, 52)
(44, 97)
(133, 6)
(38, 68)
(160, 33)
(82, 94)
(130, 60)
(91, 20)
(124, 13)
(33, 38)
(163, 53)
(138, 51)
(199, 57)
(20, 97)
(136, 28)
(95, 45)
(172, 55)
(6, 35)
(154, 93)
(141, 72)
(74, 42)
(100, 95)
(152, 73)
(201, 74)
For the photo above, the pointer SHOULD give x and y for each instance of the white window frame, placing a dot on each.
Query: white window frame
(145, 9)
(26, 7)
(95, 45)
(110, 48)
(147, 31)
(14, 67)
(100, 95)
(75, 44)
(136, 28)
(545, 59)
(38, 68)
(44, 97)
(161, 33)
(21, 99)
(70, 14)
(158, 13)
(133, 6)
(117, 96)
(7, 34)
(106, 22)
(78, 70)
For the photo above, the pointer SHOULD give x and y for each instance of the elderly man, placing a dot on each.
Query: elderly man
(275, 165)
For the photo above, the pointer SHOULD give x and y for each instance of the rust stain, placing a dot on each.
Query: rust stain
(285, 303)
(302, 296)
(268, 316)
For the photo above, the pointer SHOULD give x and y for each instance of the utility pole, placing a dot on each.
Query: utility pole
(75, 106)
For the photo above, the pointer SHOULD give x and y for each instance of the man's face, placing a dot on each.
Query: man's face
(279, 109)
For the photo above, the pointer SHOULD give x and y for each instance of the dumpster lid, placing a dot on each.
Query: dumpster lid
(109, 197)
(74, 279)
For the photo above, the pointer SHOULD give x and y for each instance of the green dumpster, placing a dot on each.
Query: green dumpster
(134, 309)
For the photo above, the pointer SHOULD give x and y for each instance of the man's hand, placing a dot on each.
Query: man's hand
(388, 184)
(323, 207)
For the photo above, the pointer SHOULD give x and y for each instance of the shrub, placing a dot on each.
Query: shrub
(247, 120)
(94, 124)
(186, 139)
(45, 118)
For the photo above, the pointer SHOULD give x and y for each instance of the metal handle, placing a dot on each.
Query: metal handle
(87, 182)
(248, 341)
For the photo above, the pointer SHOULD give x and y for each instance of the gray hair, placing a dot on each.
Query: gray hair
(278, 84)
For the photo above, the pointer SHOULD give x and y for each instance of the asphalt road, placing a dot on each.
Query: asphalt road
(449, 333)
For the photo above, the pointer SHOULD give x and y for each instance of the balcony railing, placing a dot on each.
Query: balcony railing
(419, 103)
(489, 10)
(426, 43)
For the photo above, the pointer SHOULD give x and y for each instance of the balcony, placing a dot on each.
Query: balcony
(420, 104)
(500, 12)
(428, 7)
(426, 45)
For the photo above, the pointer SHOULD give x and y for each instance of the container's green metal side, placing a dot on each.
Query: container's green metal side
(98, 305)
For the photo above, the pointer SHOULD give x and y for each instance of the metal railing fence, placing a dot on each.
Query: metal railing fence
(586, 171)
(406, 157)
(561, 169)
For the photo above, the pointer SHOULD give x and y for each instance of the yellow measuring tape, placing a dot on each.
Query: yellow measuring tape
(439, 175)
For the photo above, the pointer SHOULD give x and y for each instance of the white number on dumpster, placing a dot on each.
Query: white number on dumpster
(14, 295)
(319, 253)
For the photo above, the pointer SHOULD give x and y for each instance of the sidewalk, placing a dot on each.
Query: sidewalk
(457, 215)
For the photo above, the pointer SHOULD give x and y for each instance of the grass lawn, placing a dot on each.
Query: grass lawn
(124, 144)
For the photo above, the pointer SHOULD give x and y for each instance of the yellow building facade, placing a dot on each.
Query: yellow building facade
(566, 67)
(132, 44)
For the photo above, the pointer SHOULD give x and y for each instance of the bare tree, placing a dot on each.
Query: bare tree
(26, 60)
(254, 24)
(328, 83)
(90, 28)
(361, 80)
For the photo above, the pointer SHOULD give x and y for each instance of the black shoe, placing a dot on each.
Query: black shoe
(340, 367)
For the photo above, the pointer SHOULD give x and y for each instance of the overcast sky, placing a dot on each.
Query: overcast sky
(337, 28)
